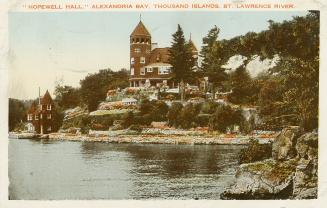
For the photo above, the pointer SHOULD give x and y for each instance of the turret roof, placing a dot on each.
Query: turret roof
(46, 99)
(140, 30)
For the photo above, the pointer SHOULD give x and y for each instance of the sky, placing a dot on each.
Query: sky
(45, 48)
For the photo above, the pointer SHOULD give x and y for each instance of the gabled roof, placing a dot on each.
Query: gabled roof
(46, 99)
(140, 30)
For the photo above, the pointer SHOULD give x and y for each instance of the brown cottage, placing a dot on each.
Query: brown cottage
(40, 116)
(149, 64)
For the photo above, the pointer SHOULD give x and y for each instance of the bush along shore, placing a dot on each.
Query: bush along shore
(291, 172)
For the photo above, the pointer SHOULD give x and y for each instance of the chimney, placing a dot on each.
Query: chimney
(154, 46)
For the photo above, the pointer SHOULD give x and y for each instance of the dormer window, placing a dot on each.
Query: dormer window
(48, 107)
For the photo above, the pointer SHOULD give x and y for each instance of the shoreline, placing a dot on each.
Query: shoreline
(144, 139)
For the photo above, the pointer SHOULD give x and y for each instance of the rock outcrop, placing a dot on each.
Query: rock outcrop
(306, 175)
(284, 145)
(291, 173)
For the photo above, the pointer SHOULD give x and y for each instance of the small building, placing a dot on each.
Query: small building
(129, 101)
(40, 116)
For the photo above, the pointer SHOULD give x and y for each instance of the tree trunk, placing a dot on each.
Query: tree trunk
(182, 90)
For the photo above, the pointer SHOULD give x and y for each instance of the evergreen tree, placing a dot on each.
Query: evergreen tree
(181, 59)
(240, 81)
(211, 53)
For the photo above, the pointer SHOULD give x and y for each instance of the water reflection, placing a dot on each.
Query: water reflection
(92, 170)
(170, 160)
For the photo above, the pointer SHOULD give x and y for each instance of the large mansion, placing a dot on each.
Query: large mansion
(149, 64)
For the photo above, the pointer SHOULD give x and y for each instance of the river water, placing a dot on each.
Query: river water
(85, 170)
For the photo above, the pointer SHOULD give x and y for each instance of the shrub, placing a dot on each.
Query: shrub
(202, 120)
(255, 152)
(187, 116)
(209, 107)
(173, 114)
(135, 127)
(128, 119)
(143, 120)
(225, 117)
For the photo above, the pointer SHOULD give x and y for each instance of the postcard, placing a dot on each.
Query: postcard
(163, 103)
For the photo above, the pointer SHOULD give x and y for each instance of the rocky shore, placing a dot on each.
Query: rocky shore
(149, 136)
(292, 172)
(155, 139)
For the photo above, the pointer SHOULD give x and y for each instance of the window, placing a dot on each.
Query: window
(164, 70)
(142, 60)
(137, 50)
(30, 117)
(142, 71)
(49, 116)
(149, 69)
(132, 60)
(132, 71)
(48, 107)
(41, 116)
(36, 117)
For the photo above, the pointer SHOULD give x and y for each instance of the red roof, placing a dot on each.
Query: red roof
(46, 99)
(159, 55)
(140, 30)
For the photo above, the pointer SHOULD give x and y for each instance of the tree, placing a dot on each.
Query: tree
(17, 113)
(94, 87)
(213, 59)
(181, 59)
(241, 82)
(67, 96)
